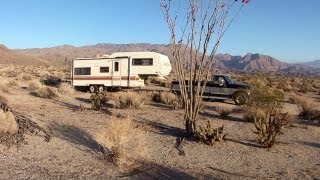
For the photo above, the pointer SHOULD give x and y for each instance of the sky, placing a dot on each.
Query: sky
(288, 30)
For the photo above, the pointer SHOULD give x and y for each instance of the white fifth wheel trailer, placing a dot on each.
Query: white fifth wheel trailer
(119, 70)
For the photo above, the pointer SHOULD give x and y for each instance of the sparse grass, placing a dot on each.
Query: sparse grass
(65, 89)
(4, 86)
(8, 124)
(34, 85)
(13, 83)
(124, 143)
(45, 92)
(129, 100)
(159, 81)
(308, 108)
(224, 112)
(26, 77)
(170, 98)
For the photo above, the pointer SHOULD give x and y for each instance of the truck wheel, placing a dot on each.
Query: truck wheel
(240, 98)
(100, 88)
(92, 88)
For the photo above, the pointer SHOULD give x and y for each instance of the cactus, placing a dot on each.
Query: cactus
(209, 135)
(97, 100)
(270, 125)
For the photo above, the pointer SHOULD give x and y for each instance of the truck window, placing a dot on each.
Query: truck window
(142, 62)
(104, 69)
(82, 71)
(116, 66)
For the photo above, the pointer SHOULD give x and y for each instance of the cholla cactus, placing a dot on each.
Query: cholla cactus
(209, 135)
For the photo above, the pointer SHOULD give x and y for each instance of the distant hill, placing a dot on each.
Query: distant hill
(8, 56)
(252, 62)
(60, 55)
(315, 63)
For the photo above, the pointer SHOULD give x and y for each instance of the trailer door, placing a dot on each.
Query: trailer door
(116, 73)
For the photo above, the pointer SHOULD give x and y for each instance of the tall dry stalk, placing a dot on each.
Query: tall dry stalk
(196, 31)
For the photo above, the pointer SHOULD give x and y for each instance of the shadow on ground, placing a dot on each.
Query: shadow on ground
(156, 171)
(307, 143)
(77, 136)
(161, 128)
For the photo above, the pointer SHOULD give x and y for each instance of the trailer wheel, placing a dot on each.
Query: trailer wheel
(100, 88)
(92, 88)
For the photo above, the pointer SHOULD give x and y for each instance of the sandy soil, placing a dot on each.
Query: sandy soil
(74, 154)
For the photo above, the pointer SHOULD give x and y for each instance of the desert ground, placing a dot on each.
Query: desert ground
(74, 153)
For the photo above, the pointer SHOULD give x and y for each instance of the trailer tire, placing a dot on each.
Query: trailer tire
(100, 89)
(92, 88)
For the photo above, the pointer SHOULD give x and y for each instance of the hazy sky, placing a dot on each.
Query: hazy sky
(286, 29)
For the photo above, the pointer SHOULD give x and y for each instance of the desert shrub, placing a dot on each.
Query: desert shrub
(45, 92)
(263, 108)
(306, 86)
(26, 77)
(308, 109)
(65, 89)
(14, 127)
(170, 98)
(97, 100)
(34, 85)
(130, 100)
(270, 125)
(8, 124)
(209, 135)
(159, 81)
(12, 83)
(4, 86)
(123, 143)
(51, 81)
(224, 112)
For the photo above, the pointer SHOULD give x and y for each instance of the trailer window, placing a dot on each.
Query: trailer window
(104, 69)
(142, 62)
(82, 71)
(116, 66)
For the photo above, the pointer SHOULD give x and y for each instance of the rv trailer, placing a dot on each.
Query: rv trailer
(119, 70)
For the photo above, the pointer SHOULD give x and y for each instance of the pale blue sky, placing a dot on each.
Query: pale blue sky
(286, 29)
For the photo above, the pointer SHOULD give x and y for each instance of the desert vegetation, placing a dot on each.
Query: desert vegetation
(123, 143)
(134, 129)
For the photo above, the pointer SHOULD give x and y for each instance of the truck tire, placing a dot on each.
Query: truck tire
(92, 88)
(240, 98)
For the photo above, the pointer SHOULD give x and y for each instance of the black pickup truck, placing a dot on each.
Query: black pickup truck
(222, 87)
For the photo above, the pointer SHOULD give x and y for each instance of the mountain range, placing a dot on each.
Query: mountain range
(61, 55)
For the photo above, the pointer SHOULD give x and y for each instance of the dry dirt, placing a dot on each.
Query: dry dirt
(73, 153)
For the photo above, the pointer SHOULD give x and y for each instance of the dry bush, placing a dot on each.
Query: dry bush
(34, 85)
(8, 124)
(97, 100)
(224, 112)
(159, 81)
(13, 127)
(65, 89)
(45, 92)
(209, 135)
(13, 83)
(124, 143)
(308, 109)
(129, 100)
(4, 86)
(26, 77)
(263, 108)
(170, 98)
(270, 125)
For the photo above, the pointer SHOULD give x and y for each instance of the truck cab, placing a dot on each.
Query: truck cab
(223, 87)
